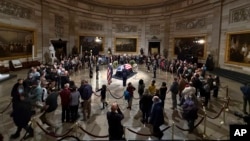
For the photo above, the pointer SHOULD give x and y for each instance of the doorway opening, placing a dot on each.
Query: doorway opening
(60, 47)
(154, 48)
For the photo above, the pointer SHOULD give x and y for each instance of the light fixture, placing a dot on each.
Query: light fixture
(201, 41)
(98, 39)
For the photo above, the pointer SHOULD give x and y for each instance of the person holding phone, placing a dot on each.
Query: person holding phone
(114, 117)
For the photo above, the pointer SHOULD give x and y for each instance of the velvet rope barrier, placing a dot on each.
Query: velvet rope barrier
(217, 114)
(65, 137)
(96, 94)
(150, 134)
(194, 126)
(224, 87)
(5, 109)
(53, 134)
(96, 136)
(114, 96)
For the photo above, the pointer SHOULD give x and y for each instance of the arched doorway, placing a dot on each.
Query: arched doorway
(60, 48)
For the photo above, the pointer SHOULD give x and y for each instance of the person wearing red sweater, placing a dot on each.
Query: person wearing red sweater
(65, 101)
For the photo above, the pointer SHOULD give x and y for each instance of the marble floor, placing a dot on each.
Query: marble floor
(216, 129)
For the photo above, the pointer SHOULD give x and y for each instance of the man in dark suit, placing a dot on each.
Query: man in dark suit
(114, 118)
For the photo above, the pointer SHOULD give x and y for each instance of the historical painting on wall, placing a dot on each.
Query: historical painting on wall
(91, 43)
(126, 44)
(185, 47)
(238, 48)
(15, 43)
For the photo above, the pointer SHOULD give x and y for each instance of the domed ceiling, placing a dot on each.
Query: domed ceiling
(129, 3)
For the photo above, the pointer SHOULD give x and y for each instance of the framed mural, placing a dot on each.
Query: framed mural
(94, 43)
(238, 48)
(125, 44)
(15, 42)
(190, 46)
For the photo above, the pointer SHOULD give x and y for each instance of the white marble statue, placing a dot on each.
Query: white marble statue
(52, 53)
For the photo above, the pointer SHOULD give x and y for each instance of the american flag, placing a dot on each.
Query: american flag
(127, 66)
(109, 75)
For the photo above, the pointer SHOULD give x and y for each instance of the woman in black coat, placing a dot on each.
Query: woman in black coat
(21, 116)
(145, 106)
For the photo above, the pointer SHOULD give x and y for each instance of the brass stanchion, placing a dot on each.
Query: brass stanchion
(205, 123)
(224, 114)
(227, 97)
(76, 126)
(173, 130)
(108, 96)
(32, 122)
(226, 93)
(124, 130)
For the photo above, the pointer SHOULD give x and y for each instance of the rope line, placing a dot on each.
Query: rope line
(136, 97)
(96, 136)
(114, 96)
(69, 137)
(224, 87)
(5, 109)
(150, 134)
(217, 114)
(53, 134)
(96, 94)
(194, 126)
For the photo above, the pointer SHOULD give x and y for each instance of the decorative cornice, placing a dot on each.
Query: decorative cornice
(91, 26)
(164, 3)
(240, 14)
(121, 28)
(191, 24)
(10, 8)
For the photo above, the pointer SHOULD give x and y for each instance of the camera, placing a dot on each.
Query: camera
(246, 118)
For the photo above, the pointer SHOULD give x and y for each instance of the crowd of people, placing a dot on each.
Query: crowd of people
(44, 84)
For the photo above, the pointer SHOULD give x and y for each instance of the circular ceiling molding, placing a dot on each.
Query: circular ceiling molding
(130, 4)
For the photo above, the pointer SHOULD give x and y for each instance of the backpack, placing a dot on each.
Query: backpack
(126, 95)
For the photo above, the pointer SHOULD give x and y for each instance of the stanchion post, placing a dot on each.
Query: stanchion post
(124, 130)
(224, 114)
(227, 98)
(76, 126)
(226, 92)
(173, 130)
(108, 96)
(205, 123)
(227, 106)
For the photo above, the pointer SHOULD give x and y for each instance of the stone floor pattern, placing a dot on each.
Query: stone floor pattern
(97, 124)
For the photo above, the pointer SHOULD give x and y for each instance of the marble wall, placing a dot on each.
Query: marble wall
(69, 19)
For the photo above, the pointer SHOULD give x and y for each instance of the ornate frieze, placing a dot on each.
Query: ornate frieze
(92, 26)
(154, 29)
(191, 24)
(125, 28)
(9, 8)
(59, 26)
(240, 14)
